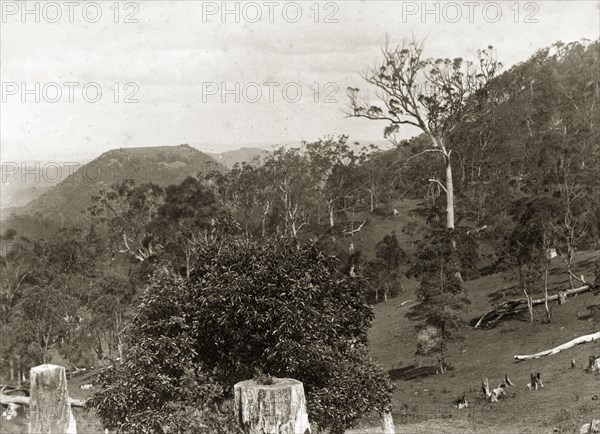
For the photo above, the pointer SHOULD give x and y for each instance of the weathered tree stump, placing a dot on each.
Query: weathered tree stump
(49, 401)
(387, 422)
(535, 382)
(590, 428)
(594, 364)
(278, 408)
(562, 297)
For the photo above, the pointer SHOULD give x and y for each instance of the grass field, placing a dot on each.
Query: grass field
(423, 401)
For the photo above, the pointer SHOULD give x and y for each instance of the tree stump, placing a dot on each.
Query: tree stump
(535, 382)
(278, 408)
(562, 297)
(49, 401)
(387, 422)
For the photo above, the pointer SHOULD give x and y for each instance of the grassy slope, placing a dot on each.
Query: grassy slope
(423, 401)
(565, 402)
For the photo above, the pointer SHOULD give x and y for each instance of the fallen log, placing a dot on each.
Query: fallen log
(511, 307)
(20, 400)
(25, 400)
(565, 346)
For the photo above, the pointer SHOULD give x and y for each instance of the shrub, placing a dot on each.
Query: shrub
(279, 309)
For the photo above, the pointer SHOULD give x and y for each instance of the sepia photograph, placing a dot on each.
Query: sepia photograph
(300, 217)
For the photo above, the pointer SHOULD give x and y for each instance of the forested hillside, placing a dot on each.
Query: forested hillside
(65, 203)
(163, 254)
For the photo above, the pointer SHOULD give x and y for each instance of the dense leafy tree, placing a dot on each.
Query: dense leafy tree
(280, 309)
(333, 164)
(384, 271)
(124, 212)
(288, 170)
(524, 251)
(40, 321)
(190, 213)
(437, 266)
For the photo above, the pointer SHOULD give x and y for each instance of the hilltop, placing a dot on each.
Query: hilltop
(68, 199)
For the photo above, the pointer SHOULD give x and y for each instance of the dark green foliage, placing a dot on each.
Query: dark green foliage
(277, 308)
(37, 322)
(383, 272)
(441, 257)
(9, 234)
(524, 246)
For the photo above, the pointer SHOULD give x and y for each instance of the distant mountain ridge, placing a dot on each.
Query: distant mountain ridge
(162, 165)
(238, 156)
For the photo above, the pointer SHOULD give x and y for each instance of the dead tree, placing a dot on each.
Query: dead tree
(512, 307)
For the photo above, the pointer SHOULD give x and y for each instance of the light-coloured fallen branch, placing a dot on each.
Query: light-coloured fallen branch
(24, 400)
(565, 346)
(350, 231)
(511, 307)
(405, 302)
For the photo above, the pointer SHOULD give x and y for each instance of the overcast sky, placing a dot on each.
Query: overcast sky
(179, 54)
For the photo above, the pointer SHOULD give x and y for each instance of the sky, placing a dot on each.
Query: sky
(224, 75)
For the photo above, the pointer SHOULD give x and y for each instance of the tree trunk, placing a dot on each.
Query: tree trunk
(529, 303)
(331, 211)
(449, 195)
(278, 408)
(548, 316)
(49, 401)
